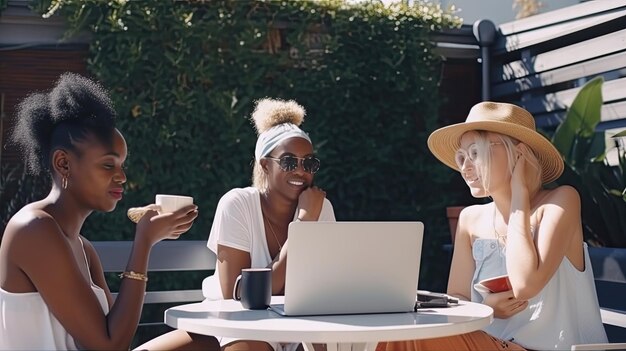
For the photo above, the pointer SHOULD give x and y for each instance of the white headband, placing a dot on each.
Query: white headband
(270, 138)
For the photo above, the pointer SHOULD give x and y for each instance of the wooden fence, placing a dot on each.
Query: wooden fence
(541, 62)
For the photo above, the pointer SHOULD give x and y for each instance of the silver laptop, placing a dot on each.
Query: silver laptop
(351, 267)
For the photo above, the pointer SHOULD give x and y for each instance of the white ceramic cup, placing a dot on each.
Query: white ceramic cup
(172, 203)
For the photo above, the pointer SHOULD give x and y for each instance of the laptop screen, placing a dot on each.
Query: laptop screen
(352, 267)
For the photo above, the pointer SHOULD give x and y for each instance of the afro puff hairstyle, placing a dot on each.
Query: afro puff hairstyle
(272, 112)
(268, 113)
(75, 109)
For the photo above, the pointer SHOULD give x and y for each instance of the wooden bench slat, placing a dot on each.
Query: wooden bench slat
(556, 31)
(582, 69)
(613, 317)
(565, 14)
(568, 55)
(612, 90)
(171, 296)
(177, 296)
(167, 255)
(615, 113)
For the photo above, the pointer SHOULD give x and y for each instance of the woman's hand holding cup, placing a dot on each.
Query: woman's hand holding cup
(504, 304)
(166, 220)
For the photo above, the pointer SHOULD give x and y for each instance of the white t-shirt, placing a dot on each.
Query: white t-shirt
(238, 223)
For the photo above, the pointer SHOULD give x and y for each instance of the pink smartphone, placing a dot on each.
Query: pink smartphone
(497, 284)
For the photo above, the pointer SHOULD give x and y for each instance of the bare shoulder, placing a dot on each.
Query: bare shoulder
(31, 223)
(30, 233)
(560, 207)
(564, 196)
(474, 213)
(472, 219)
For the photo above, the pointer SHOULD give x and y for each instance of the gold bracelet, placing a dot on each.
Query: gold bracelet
(134, 275)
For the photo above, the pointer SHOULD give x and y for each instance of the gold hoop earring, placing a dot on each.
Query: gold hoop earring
(64, 182)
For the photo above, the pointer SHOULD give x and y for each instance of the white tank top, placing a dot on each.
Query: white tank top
(564, 313)
(26, 323)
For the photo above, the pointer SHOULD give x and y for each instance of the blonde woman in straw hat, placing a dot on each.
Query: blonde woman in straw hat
(250, 225)
(533, 235)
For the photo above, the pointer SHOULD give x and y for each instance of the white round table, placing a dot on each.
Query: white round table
(340, 332)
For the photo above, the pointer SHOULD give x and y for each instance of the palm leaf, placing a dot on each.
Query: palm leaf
(620, 134)
(574, 135)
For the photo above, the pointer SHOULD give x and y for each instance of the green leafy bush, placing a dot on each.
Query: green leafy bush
(600, 185)
(184, 76)
(16, 190)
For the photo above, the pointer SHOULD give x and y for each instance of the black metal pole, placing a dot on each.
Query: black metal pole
(485, 34)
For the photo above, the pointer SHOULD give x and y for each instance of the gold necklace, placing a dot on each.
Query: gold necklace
(499, 238)
(280, 247)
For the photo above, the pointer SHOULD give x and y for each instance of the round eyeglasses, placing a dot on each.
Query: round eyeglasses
(470, 154)
(289, 163)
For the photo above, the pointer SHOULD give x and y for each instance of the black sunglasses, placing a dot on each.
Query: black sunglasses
(289, 163)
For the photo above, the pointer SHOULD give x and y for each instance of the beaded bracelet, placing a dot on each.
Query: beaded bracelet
(134, 275)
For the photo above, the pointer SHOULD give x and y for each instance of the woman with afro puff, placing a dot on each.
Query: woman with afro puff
(53, 294)
(250, 225)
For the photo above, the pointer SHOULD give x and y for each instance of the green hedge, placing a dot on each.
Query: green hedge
(184, 76)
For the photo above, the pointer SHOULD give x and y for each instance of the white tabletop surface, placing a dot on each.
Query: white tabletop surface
(228, 318)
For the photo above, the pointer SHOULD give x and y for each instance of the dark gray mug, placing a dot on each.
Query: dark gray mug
(254, 288)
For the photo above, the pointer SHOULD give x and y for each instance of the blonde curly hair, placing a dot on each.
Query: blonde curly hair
(272, 112)
(268, 113)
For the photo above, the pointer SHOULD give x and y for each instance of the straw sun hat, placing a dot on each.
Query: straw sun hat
(503, 118)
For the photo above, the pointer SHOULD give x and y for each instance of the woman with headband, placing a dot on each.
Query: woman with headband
(250, 225)
(529, 233)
